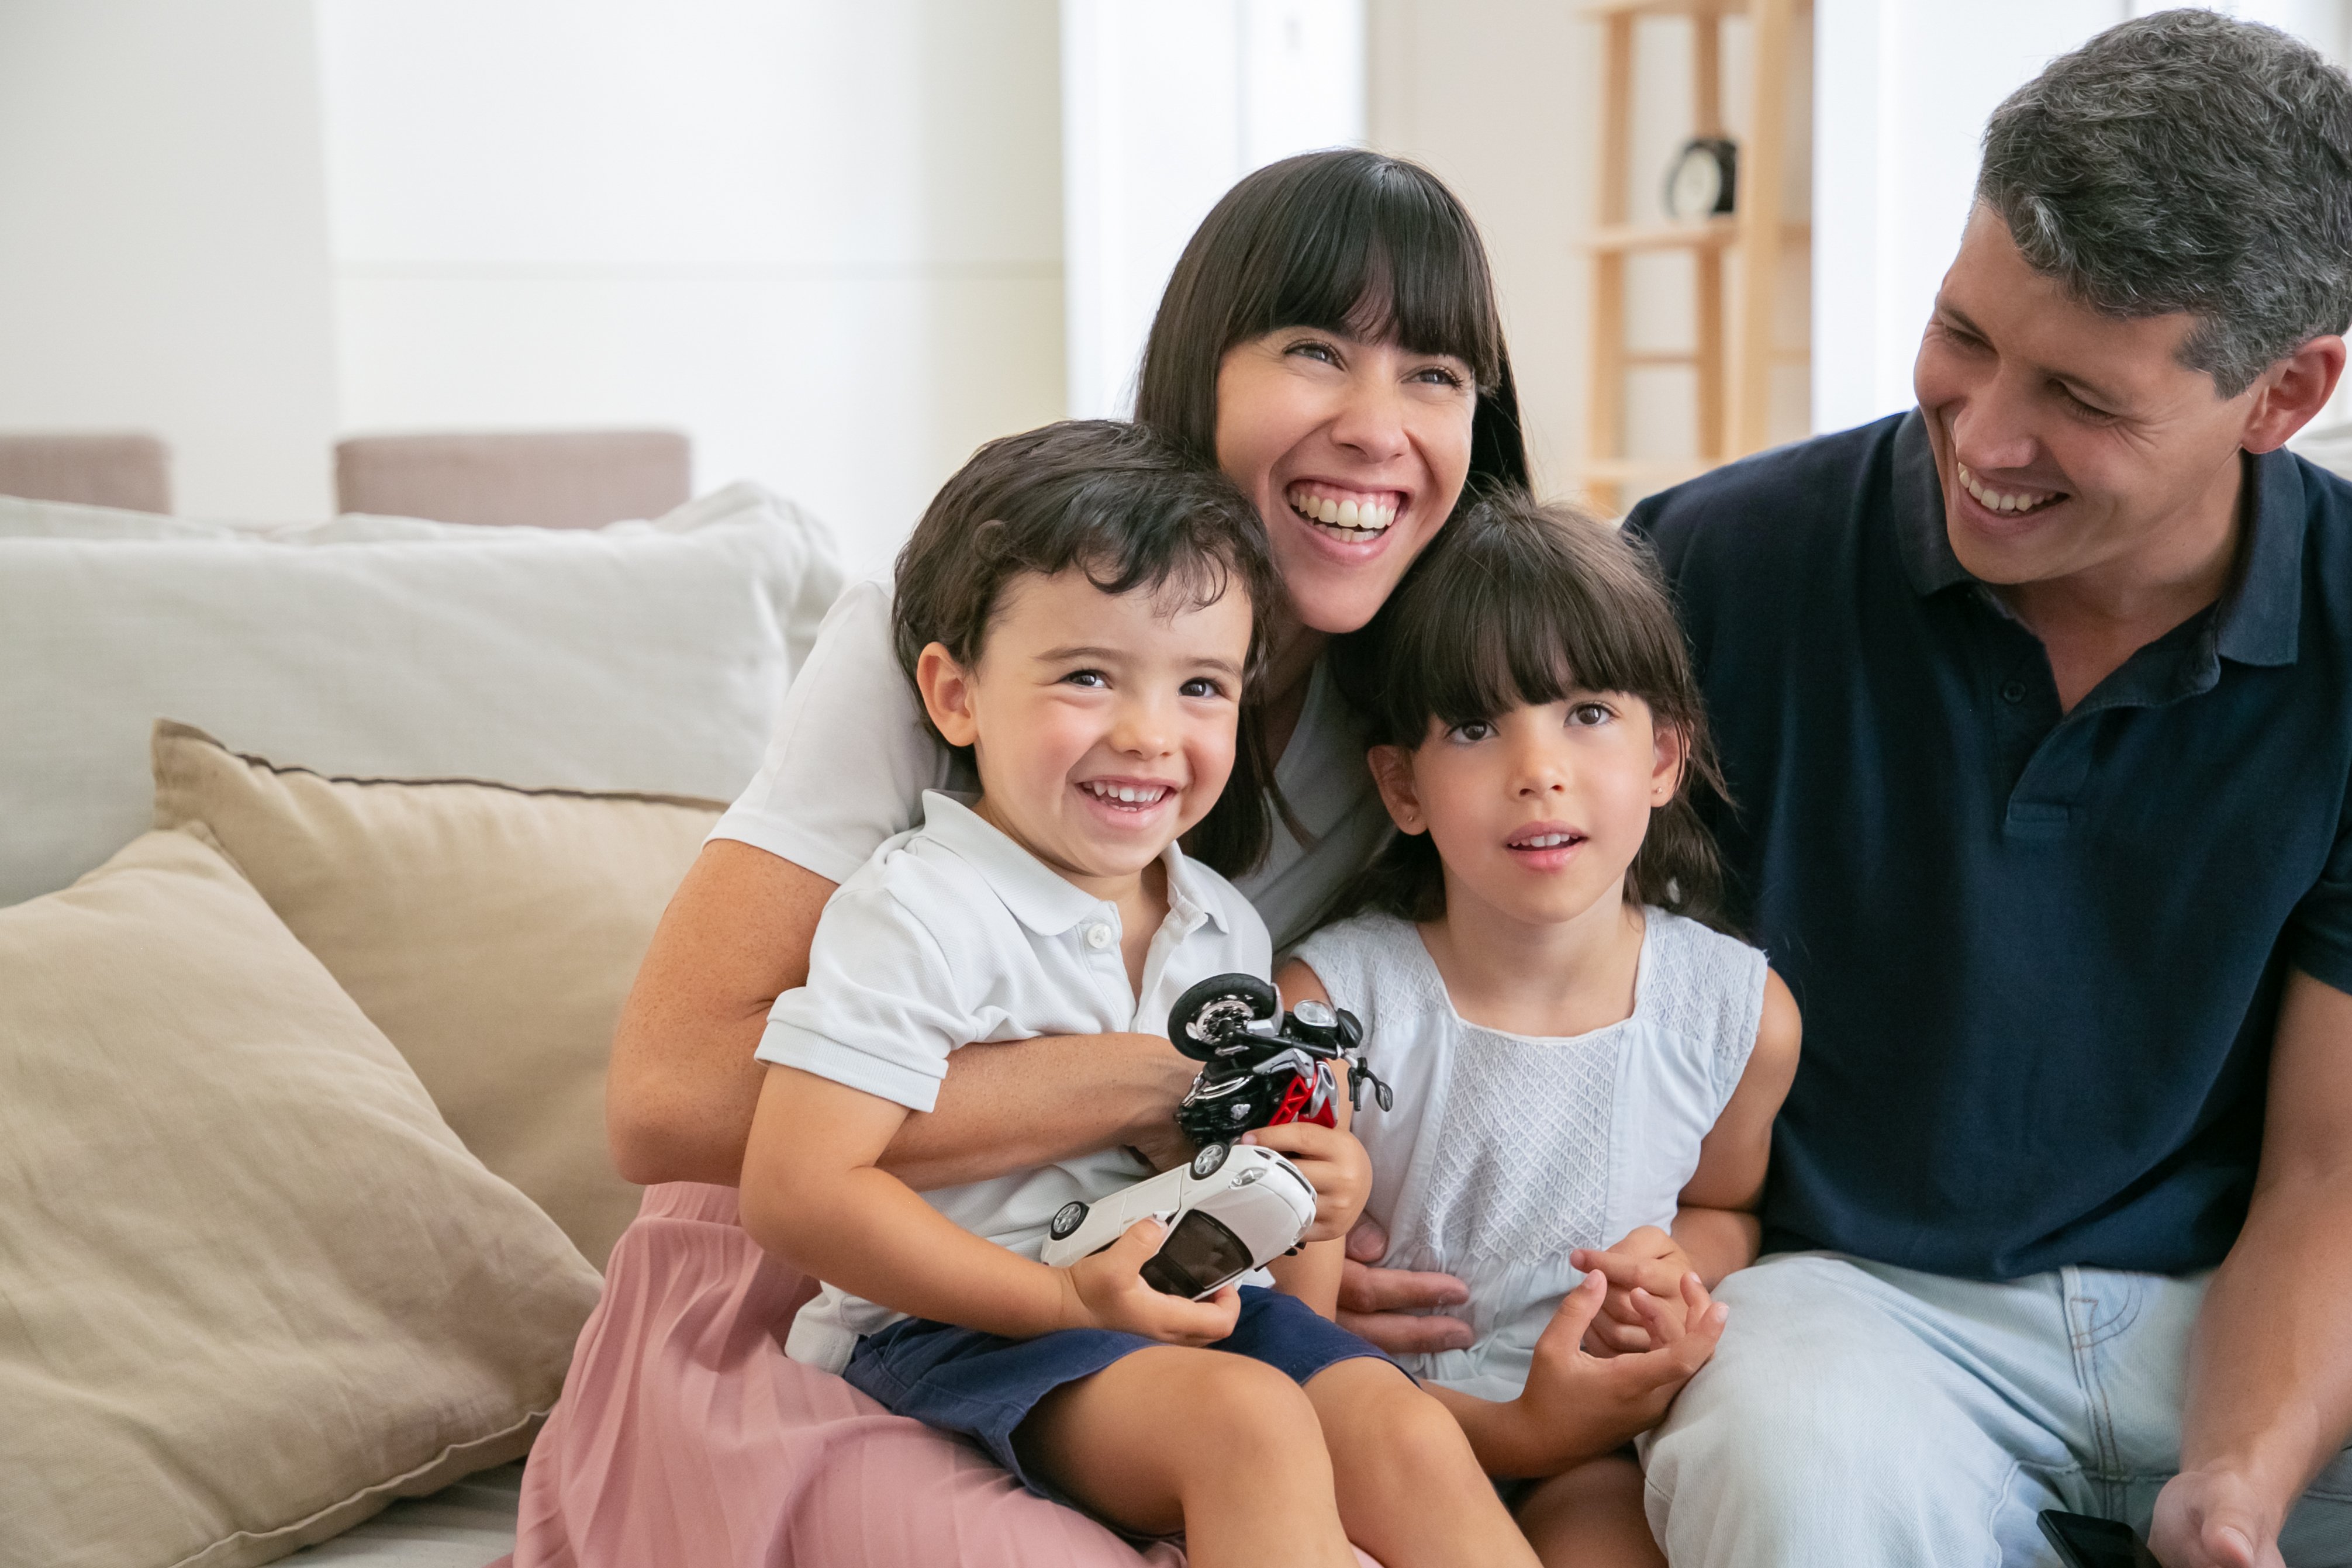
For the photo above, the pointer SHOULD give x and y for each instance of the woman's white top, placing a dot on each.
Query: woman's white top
(952, 934)
(1505, 1153)
(851, 758)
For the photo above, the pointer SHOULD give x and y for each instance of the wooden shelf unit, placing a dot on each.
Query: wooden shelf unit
(1734, 360)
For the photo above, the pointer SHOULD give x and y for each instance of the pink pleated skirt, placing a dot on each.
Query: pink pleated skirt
(686, 1437)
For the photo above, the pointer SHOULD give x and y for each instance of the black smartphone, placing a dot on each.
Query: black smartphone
(2087, 1542)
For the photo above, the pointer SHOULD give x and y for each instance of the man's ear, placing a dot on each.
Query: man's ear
(1393, 772)
(2291, 394)
(947, 691)
(1669, 754)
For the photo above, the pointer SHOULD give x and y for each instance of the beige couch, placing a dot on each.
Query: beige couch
(305, 994)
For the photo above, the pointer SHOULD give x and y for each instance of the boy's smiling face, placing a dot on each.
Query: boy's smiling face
(1103, 724)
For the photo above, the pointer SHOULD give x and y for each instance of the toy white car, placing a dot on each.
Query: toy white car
(1233, 1208)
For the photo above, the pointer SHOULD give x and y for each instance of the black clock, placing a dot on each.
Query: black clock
(1703, 178)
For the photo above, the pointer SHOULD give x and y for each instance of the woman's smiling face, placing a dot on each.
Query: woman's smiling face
(1354, 452)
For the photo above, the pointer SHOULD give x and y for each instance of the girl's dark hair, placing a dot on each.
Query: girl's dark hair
(1135, 512)
(1516, 603)
(1345, 241)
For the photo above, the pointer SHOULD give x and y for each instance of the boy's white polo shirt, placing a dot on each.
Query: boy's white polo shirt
(952, 934)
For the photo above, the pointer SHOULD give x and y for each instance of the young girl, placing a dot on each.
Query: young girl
(1580, 1062)
(1079, 610)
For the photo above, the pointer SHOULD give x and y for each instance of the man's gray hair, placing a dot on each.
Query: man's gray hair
(2187, 161)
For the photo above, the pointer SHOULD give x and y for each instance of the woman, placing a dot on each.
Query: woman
(1330, 338)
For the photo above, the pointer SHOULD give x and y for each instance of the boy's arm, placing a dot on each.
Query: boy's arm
(1716, 1230)
(812, 1192)
(1334, 1164)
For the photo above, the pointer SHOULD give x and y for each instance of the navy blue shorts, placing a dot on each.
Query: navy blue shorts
(984, 1386)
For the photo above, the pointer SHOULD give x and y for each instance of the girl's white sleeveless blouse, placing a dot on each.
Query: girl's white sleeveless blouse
(1505, 1153)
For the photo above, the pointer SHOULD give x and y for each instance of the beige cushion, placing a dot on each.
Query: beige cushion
(251, 1287)
(492, 932)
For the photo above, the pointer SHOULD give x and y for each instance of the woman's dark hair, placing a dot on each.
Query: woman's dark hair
(1131, 510)
(1516, 603)
(1344, 241)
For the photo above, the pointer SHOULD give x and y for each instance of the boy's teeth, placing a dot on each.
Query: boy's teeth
(1128, 795)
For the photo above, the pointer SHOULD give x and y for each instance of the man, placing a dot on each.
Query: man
(2036, 705)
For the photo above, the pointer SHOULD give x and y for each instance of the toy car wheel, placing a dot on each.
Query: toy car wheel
(1067, 1220)
(1206, 1162)
(1216, 1007)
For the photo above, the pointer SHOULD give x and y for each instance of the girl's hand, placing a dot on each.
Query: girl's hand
(1647, 1260)
(1105, 1291)
(1334, 1165)
(1576, 1406)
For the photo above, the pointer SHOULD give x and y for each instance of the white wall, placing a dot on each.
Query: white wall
(1165, 103)
(163, 240)
(824, 239)
(1906, 86)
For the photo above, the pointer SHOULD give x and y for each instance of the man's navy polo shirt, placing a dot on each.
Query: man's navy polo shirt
(2039, 956)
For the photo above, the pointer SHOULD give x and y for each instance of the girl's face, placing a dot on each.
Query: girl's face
(1537, 814)
(1354, 452)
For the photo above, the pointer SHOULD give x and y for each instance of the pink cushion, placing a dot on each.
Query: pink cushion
(686, 1436)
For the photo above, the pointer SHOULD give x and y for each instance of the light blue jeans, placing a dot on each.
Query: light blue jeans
(1868, 1416)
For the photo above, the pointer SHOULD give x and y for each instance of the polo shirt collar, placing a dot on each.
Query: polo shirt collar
(1039, 898)
(2257, 620)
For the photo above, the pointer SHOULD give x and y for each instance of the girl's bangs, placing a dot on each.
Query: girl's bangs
(1378, 254)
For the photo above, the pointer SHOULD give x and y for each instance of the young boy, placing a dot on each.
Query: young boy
(1079, 607)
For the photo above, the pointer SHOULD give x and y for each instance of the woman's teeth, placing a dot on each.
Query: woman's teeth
(1348, 518)
(2002, 500)
(1127, 794)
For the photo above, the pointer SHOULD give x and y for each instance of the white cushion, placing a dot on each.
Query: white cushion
(643, 657)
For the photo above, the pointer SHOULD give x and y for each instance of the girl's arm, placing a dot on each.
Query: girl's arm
(811, 1192)
(683, 1083)
(1715, 1231)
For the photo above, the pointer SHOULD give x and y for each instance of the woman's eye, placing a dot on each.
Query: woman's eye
(1315, 349)
(1093, 677)
(1441, 375)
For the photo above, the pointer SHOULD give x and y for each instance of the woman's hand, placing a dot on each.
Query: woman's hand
(1107, 1290)
(1647, 1260)
(1334, 1165)
(1395, 1308)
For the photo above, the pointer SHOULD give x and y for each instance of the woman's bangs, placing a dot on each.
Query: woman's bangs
(1383, 259)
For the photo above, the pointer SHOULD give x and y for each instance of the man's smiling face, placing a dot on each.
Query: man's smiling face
(2068, 442)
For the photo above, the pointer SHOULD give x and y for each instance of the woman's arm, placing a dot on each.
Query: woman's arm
(812, 1191)
(684, 1083)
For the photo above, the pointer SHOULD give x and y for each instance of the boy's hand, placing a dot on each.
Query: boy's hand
(1647, 1260)
(1334, 1165)
(1106, 1291)
(1576, 1404)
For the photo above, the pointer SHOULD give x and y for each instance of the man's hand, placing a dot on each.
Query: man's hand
(1334, 1165)
(1105, 1291)
(1576, 1406)
(1392, 1308)
(1648, 1259)
(2212, 1519)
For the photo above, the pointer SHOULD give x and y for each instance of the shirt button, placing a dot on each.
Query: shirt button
(2013, 692)
(1098, 937)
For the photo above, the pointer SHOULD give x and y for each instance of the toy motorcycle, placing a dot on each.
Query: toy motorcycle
(1265, 1067)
